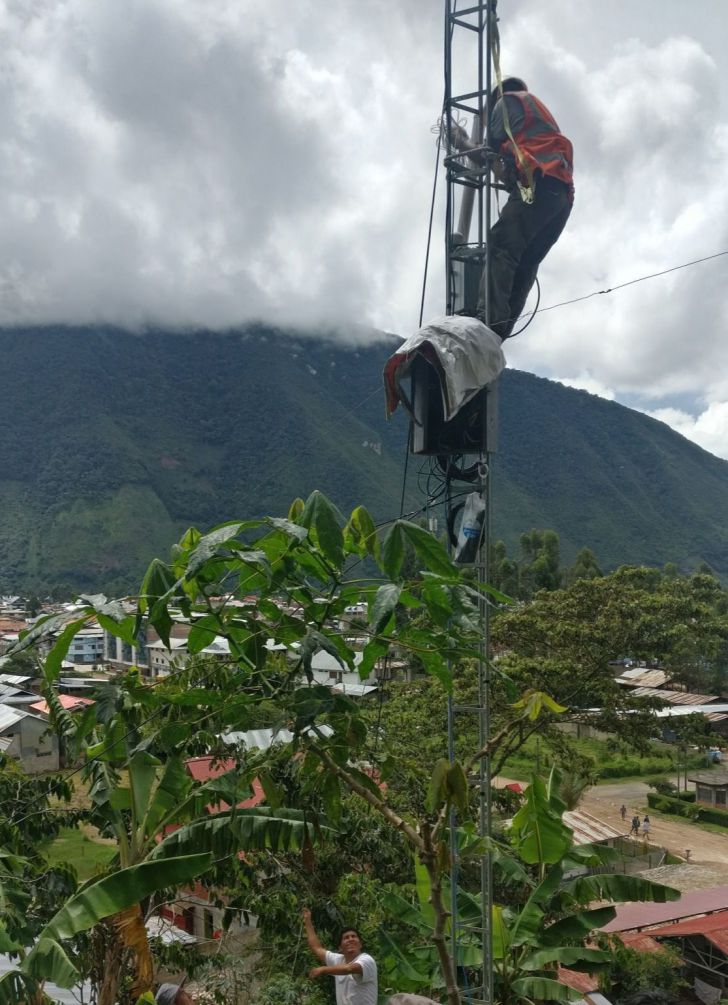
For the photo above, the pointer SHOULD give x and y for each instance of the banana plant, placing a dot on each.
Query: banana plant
(168, 832)
(548, 922)
(555, 924)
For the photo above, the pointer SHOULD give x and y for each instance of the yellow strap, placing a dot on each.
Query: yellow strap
(523, 165)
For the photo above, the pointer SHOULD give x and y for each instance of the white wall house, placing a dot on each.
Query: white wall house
(27, 738)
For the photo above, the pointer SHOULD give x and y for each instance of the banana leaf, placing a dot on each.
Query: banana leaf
(114, 893)
(253, 829)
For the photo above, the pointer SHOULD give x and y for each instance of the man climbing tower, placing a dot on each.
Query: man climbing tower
(534, 161)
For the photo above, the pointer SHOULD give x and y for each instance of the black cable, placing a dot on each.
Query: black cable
(406, 465)
(533, 313)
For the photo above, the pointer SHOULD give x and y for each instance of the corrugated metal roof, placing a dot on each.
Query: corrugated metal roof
(15, 679)
(577, 981)
(675, 697)
(715, 713)
(709, 777)
(161, 928)
(714, 928)
(9, 716)
(642, 677)
(354, 690)
(641, 942)
(693, 926)
(638, 916)
(262, 739)
(67, 701)
(588, 829)
(7, 691)
(324, 661)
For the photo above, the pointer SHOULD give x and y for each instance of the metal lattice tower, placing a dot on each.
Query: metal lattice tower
(469, 36)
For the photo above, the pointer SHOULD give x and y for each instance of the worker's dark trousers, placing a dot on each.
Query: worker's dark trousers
(518, 243)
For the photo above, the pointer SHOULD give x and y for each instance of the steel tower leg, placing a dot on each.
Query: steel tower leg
(468, 83)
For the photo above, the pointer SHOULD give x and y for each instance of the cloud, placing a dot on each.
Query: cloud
(587, 382)
(709, 429)
(182, 163)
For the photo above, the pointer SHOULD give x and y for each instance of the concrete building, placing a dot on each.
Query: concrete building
(87, 647)
(26, 737)
(711, 788)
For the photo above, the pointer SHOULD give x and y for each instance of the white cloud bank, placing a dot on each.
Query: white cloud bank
(180, 162)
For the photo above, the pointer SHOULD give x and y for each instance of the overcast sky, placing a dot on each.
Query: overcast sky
(206, 162)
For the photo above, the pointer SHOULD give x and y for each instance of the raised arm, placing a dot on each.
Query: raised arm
(314, 943)
(338, 970)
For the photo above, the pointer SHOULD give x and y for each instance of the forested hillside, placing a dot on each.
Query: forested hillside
(113, 443)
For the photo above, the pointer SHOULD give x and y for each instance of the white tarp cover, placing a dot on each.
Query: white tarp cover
(465, 354)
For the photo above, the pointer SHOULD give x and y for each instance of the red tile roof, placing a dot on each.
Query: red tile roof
(203, 769)
(583, 983)
(68, 702)
(636, 916)
(713, 926)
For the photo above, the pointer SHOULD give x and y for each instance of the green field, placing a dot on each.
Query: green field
(74, 847)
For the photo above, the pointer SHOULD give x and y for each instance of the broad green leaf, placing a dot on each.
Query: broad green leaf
(404, 962)
(274, 793)
(329, 789)
(429, 550)
(125, 630)
(360, 534)
(374, 650)
(7, 945)
(210, 545)
(457, 786)
(47, 961)
(578, 926)
(293, 530)
(589, 960)
(120, 890)
(202, 633)
(143, 770)
(44, 628)
(424, 892)
(402, 911)
(158, 580)
(112, 746)
(541, 834)
(385, 602)
(54, 659)
(529, 922)
(322, 520)
(236, 830)
(100, 604)
(437, 792)
(536, 989)
(295, 510)
(392, 554)
(501, 936)
(15, 986)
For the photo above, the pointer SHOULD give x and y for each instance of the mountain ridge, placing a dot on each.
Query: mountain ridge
(114, 442)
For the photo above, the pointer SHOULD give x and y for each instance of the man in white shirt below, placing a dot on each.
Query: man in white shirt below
(354, 971)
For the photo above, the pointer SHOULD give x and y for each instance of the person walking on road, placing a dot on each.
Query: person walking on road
(646, 826)
(623, 812)
(635, 828)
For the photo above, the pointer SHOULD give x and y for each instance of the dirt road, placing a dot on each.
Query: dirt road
(707, 864)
